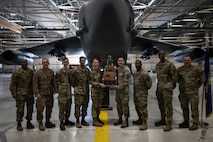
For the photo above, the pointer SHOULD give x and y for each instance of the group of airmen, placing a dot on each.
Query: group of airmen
(43, 84)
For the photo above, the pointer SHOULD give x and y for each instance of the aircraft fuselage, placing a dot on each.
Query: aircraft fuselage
(106, 26)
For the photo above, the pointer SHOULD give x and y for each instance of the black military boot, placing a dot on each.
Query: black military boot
(49, 124)
(29, 125)
(161, 122)
(68, 122)
(19, 127)
(118, 122)
(84, 122)
(137, 122)
(99, 120)
(62, 127)
(184, 124)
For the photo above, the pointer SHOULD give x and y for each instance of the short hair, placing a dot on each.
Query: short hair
(65, 59)
(82, 57)
(95, 59)
(138, 61)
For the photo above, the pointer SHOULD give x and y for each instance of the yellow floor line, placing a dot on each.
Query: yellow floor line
(102, 133)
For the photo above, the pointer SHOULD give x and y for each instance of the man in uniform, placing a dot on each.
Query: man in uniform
(22, 91)
(97, 92)
(142, 83)
(63, 87)
(44, 87)
(190, 79)
(122, 93)
(167, 78)
(81, 90)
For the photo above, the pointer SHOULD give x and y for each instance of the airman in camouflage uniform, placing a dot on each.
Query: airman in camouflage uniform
(142, 83)
(190, 79)
(44, 87)
(63, 85)
(122, 93)
(97, 92)
(21, 89)
(167, 78)
(81, 90)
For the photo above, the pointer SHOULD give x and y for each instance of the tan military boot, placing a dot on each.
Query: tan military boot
(19, 127)
(41, 126)
(125, 123)
(144, 125)
(78, 124)
(96, 123)
(168, 126)
(194, 126)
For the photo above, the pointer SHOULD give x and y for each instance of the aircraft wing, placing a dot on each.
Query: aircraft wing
(60, 48)
(147, 47)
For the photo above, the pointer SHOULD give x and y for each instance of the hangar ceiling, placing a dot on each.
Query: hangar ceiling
(25, 23)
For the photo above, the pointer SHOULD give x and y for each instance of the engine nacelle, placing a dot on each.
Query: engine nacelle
(10, 57)
(196, 54)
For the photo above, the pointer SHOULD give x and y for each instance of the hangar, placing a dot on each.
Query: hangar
(28, 23)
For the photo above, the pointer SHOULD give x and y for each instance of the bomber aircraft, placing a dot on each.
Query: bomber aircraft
(106, 27)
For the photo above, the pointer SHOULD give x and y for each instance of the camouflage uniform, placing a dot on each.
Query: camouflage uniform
(167, 78)
(142, 83)
(63, 85)
(190, 81)
(21, 89)
(43, 84)
(97, 93)
(81, 90)
(122, 94)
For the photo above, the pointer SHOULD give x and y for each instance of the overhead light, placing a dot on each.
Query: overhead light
(28, 27)
(176, 26)
(16, 21)
(191, 13)
(12, 14)
(190, 20)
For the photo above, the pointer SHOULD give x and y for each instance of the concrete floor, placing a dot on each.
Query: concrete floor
(108, 133)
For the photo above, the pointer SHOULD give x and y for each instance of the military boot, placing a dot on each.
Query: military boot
(68, 122)
(137, 122)
(194, 126)
(49, 124)
(96, 123)
(29, 125)
(118, 122)
(125, 123)
(78, 124)
(41, 126)
(99, 120)
(184, 124)
(19, 127)
(84, 122)
(168, 126)
(161, 122)
(62, 127)
(144, 125)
